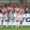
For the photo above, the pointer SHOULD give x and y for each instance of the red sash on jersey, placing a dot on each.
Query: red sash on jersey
(19, 11)
(22, 11)
(9, 10)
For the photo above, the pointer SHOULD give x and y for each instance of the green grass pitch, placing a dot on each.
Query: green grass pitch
(14, 28)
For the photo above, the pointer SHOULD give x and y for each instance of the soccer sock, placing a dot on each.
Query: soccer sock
(16, 24)
(12, 23)
(6, 24)
(2, 24)
(21, 25)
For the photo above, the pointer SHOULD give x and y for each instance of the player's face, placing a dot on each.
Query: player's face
(21, 7)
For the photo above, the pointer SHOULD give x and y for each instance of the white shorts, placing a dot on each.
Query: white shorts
(0, 22)
(17, 23)
(20, 18)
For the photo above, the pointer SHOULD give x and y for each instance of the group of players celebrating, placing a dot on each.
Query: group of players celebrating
(7, 13)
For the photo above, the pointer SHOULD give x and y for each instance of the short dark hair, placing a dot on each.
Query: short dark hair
(5, 5)
(17, 5)
(9, 4)
(0, 11)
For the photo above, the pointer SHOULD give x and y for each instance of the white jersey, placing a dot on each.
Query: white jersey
(10, 16)
(5, 17)
(3, 10)
(10, 13)
(16, 9)
(5, 14)
(10, 9)
(19, 14)
(1, 16)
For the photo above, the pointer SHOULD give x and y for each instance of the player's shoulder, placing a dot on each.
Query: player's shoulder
(16, 8)
(22, 9)
(11, 8)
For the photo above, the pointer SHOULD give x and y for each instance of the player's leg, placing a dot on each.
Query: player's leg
(17, 23)
(11, 22)
(21, 23)
(1, 23)
(16, 20)
(6, 23)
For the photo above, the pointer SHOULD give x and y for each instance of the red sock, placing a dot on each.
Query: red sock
(19, 26)
(22, 26)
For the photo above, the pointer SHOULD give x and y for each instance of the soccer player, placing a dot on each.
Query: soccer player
(10, 9)
(1, 18)
(13, 18)
(19, 16)
(5, 15)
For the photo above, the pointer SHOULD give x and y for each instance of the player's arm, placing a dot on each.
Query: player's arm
(22, 12)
